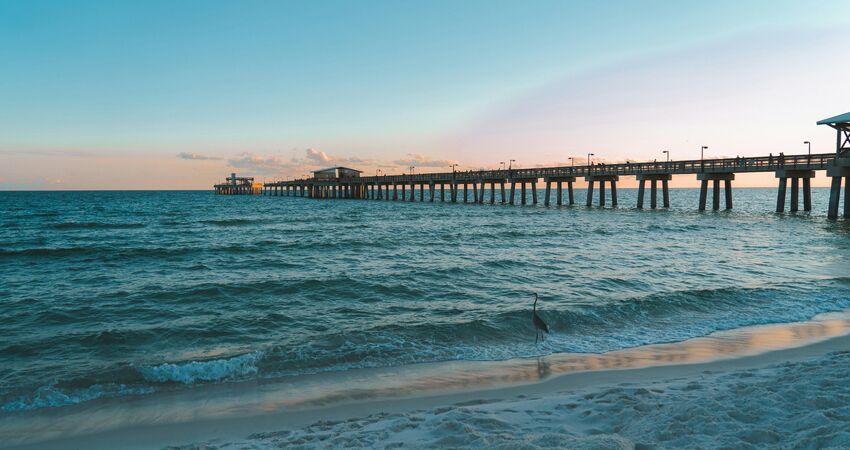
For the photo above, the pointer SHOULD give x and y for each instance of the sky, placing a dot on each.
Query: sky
(177, 95)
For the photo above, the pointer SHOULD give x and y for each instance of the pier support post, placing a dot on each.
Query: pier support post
(601, 179)
(560, 193)
(665, 193)
(431, 192)
(795, 175)
(395, 192)
(571, 197)
(716, 177)
(613, 193)
(795, 194)
(481, 193)
(847, 197)
(653, 194)
(454, 191)
(715, 203)
(601, 193)
(807, 194)
(780, 196)
(502, 184)
(559, 188)
(641, 191)
(465, 191)
(492, 192)
(548, 191)
(422, 192)
(522, 193)
(442, 192)
(534, 192)
(834, 197)
(513, 189)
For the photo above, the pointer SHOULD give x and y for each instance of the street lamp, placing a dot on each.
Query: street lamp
(572, 161)
(453, 167)
(511, 164)
(668, 154)
(702, 152)
(503, 164)
(411, 170)
(588, 157)
(810, 147)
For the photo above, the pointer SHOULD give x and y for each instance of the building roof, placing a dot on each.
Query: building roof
(842, 118)
(339, 167)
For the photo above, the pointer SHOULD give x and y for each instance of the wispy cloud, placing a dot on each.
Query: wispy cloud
(414, 159)
(197, 156)
(261, 165)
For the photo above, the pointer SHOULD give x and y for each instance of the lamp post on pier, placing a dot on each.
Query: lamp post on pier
(810, 147)
(702, 158)
(668, 154)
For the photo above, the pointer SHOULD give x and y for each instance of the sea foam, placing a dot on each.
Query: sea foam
(212, 370)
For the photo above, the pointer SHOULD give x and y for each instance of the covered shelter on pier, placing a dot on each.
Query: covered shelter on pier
(840, 168)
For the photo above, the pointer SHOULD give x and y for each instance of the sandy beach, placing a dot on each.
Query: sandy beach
(761, 386)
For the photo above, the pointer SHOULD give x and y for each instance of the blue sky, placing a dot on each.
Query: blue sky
(364, 82)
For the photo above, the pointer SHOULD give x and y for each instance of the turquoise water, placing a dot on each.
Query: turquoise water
(109, 294)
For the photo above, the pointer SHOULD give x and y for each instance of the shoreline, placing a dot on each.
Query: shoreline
(234, 411)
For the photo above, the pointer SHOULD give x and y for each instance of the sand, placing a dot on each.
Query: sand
(791, 398)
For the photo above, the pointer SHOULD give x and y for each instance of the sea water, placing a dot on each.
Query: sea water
(114, 294)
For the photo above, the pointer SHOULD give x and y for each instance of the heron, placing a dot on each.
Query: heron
(539, 325)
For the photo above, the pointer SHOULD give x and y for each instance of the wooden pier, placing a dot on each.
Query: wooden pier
(472, 186)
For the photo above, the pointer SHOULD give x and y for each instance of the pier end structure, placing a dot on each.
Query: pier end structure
(234, 185)
(840, 167)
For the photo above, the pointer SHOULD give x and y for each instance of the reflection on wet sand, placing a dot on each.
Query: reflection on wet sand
(303, 392)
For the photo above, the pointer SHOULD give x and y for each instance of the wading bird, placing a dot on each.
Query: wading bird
(539, 325)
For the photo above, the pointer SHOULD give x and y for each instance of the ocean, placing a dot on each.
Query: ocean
(126, 294)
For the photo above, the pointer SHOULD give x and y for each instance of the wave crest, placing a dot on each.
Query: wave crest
(212, 370)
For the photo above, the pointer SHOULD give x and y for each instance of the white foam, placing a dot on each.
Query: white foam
(50, 396)
(213, 370)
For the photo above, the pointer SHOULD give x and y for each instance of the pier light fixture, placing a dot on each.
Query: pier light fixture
(810, 147)
(502, 164)
(702, 152)
(668, 154)
(572, 161)
(454, 167)
(511, 164)
(588, 157)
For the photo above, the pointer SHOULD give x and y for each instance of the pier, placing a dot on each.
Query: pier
(473, 186)
(234, 185)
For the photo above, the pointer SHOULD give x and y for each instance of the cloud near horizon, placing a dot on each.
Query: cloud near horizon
(414, 159)
(197, 157)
